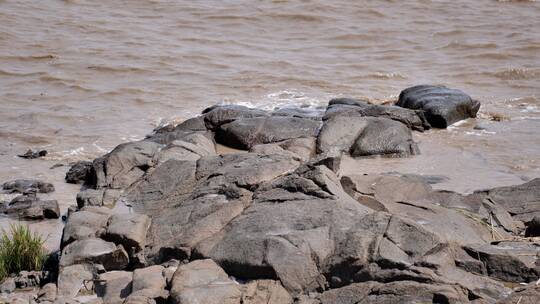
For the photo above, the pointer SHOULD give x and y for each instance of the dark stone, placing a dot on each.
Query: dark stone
(533, 227)
(218, 115)
(31, 207)
(31, 154)
(413, 119)
(248, 132)
(79, 173)
(26, 186)
(442, 106)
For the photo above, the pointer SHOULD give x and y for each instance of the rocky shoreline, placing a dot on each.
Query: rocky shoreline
(171, 219)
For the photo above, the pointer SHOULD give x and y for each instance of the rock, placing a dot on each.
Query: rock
(169, 133)
(523, 295)
(219, 115)
(508, 261)
(533, 227)
(26, 186)
(265, 291)
(309, 113)
(129, 230)
(411, 198)
(442, 106)
(521, 201)
(124, 164)
(203, 281)
(97, 251)
(299, 148)
(362, 136)
(73, 278)
(31, 207)
(84, 224)
(27, 279)
(8, 285)
(413, 119)
(47, 293)
(395, 292)
(80, 172)
(90, 197)
(114, 286)
(384, 137)
(287, 232)
(31, 154)
(150, 283)
(191, 147)
(248, 132)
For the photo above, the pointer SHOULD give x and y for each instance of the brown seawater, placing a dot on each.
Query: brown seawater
(79, 77)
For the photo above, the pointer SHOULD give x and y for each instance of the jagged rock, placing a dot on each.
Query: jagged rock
(219, 115)
(124, 164)
(362, 136)
(442, 106)
(395, 292)
(265, 291)
(73, 278)
(203, 281)
(129, 230)
(521, 201)
(299, 148)
(114, 286)
(169, 133)
(533, 227)
(27, 279)
(248, 132)
(413, 119)
(47, 293)
(80, 172)
(26, 186)
(84, 224)
(97, 251)
(508, 261)
(90, 197)
(411, 198)
(31, 207)
(149, 283)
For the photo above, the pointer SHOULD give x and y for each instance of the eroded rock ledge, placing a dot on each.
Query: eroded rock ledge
(169, 218)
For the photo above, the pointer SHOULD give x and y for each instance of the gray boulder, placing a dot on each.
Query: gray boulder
(129, 230)
(94, 251)
(363, 136)
(31, 207)
(301, 149)
(150, 283)
(114, 286)
(265, 291)
(84, 224)
(191, 147)
(125, 164)
(27, 186)
(442, 106)
(248, 132)
(80, 172)
(218, 115)
(74, 278)
(413, 119)
(90, 197)
(47, 293)
(203, 281)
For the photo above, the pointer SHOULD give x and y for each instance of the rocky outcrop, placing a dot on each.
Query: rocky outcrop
(33, 208)
(442, 106)
(168, 219)
(27, 186)
(79, 172)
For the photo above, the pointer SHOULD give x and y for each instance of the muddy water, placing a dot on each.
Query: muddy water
(79, 77)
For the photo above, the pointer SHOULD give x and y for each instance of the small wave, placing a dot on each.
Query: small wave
(517, 74)
(297, 17)
(115, 69)
(391, 75)
(30, 57)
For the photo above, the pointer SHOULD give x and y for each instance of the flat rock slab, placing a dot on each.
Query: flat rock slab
(129, 230)
(442, 106)
(84, 224)
(113, 287)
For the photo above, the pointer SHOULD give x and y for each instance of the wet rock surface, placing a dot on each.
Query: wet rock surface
(171, 220)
